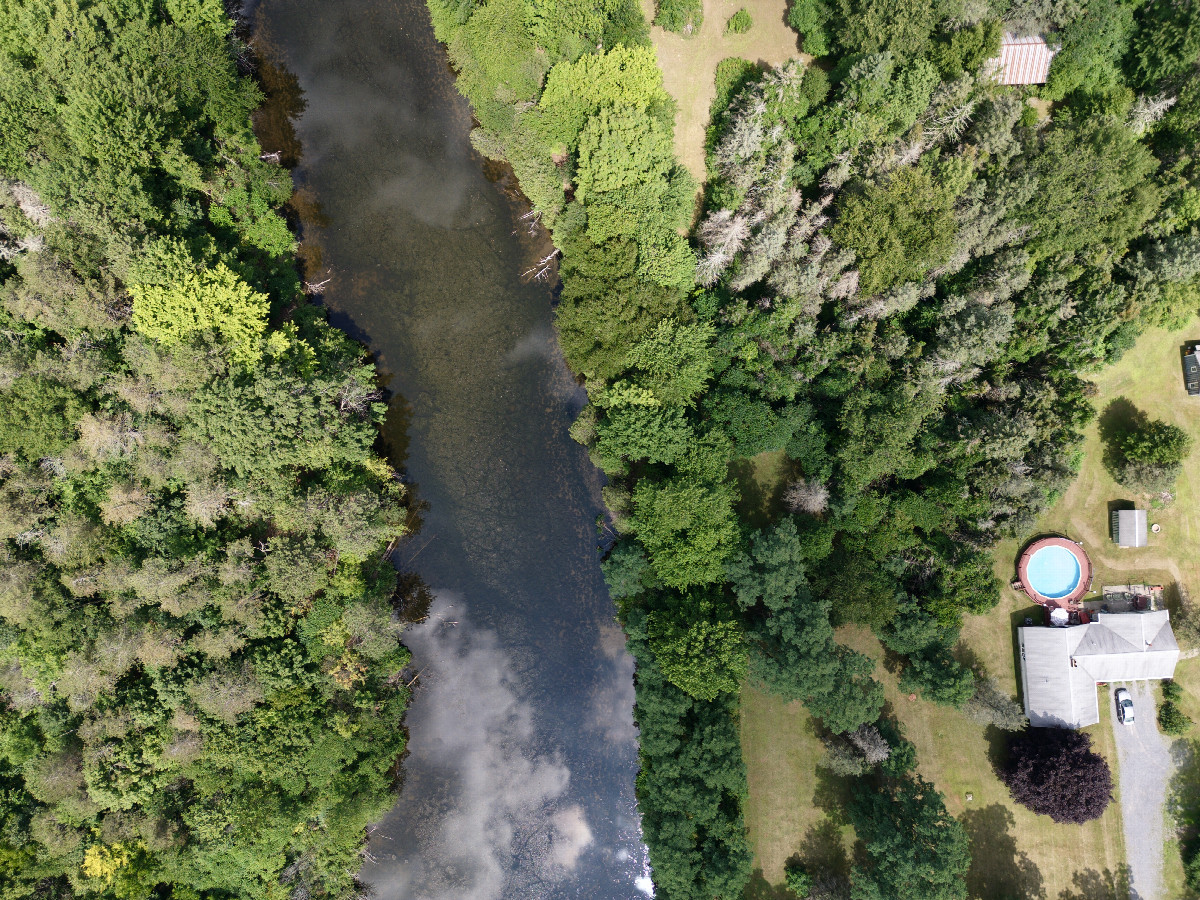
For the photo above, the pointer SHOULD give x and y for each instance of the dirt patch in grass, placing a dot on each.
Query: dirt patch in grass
(689, 63)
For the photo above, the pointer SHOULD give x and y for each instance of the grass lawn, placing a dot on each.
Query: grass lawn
(793, 806)
(1184, 791)
(1016, 853)
(1149, 376)
(786, 812)
(761, 481)
(689, 63)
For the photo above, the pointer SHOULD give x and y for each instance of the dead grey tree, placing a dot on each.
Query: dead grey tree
(804, 495)
(871, 744)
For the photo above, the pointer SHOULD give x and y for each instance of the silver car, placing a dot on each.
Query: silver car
(1124, 706)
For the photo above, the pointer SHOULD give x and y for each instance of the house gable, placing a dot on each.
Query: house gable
(1060, 667)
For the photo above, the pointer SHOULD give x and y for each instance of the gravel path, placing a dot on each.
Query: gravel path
(1144, 760)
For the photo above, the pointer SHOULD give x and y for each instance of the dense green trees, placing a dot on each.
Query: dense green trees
(214, 300)
(691, 784)
(198, 653)
(1143, 453)
(915, 850)
(903, 273)
(898, 230)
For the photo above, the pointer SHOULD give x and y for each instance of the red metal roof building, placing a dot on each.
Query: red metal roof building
(1025, 60)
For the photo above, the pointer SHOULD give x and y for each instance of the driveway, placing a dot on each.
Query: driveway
(1144, 764)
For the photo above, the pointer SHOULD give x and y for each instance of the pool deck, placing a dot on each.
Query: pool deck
(1069, 601)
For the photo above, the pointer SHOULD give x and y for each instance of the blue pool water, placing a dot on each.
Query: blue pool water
(1053, 572)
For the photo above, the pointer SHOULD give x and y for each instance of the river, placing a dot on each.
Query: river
(519, 782)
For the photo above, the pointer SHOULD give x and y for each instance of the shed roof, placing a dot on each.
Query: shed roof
(1131, 528)
(1060, 667)
(1025, 60)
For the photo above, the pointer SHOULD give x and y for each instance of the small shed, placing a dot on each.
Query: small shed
(1129, 527)
(1025, 60)
(1191, 370)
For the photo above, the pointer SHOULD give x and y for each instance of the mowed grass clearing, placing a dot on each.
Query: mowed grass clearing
(1150, 376)
(1183, 799)
(793, 804)
(1017, 853)
(689, 64)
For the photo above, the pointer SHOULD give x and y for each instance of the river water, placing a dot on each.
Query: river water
(520, 776)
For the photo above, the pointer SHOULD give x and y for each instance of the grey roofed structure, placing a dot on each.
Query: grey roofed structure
(1129, 528)
(1060, 667)
(1191, 370)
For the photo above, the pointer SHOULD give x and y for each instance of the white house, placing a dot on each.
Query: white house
(1060, 667)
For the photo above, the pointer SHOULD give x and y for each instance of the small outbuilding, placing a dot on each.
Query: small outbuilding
(1024, 60)
(1129, 528)
(1191, 370)
(1060, 667)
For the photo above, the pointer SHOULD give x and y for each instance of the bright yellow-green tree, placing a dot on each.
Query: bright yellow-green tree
(215, 300)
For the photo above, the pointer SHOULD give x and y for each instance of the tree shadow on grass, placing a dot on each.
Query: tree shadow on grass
(761, 501)
(1114, 507)
(1119, 419)
(1183, 796)
(997, 748)
(1091, 884)
(832, 795)
(824, 854)
(998, 868)
(759, 888)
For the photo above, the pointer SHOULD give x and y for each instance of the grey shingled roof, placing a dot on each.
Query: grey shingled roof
(1061, 666)
(1131, 528)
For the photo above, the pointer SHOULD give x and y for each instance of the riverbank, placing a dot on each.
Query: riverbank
(522, 754)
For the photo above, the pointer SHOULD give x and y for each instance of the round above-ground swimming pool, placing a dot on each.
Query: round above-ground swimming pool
(1054, 571)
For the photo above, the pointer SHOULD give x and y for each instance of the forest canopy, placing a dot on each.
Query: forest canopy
(199, 658)
(901, 275)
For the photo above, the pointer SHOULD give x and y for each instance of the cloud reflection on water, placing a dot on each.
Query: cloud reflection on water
(613, 696)
(494, 829)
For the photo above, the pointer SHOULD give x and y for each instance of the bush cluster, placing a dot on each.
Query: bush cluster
(1171, 719)
(739, 23)
(681, 16)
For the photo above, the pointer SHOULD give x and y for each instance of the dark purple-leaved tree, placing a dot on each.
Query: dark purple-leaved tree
(1054, 771)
